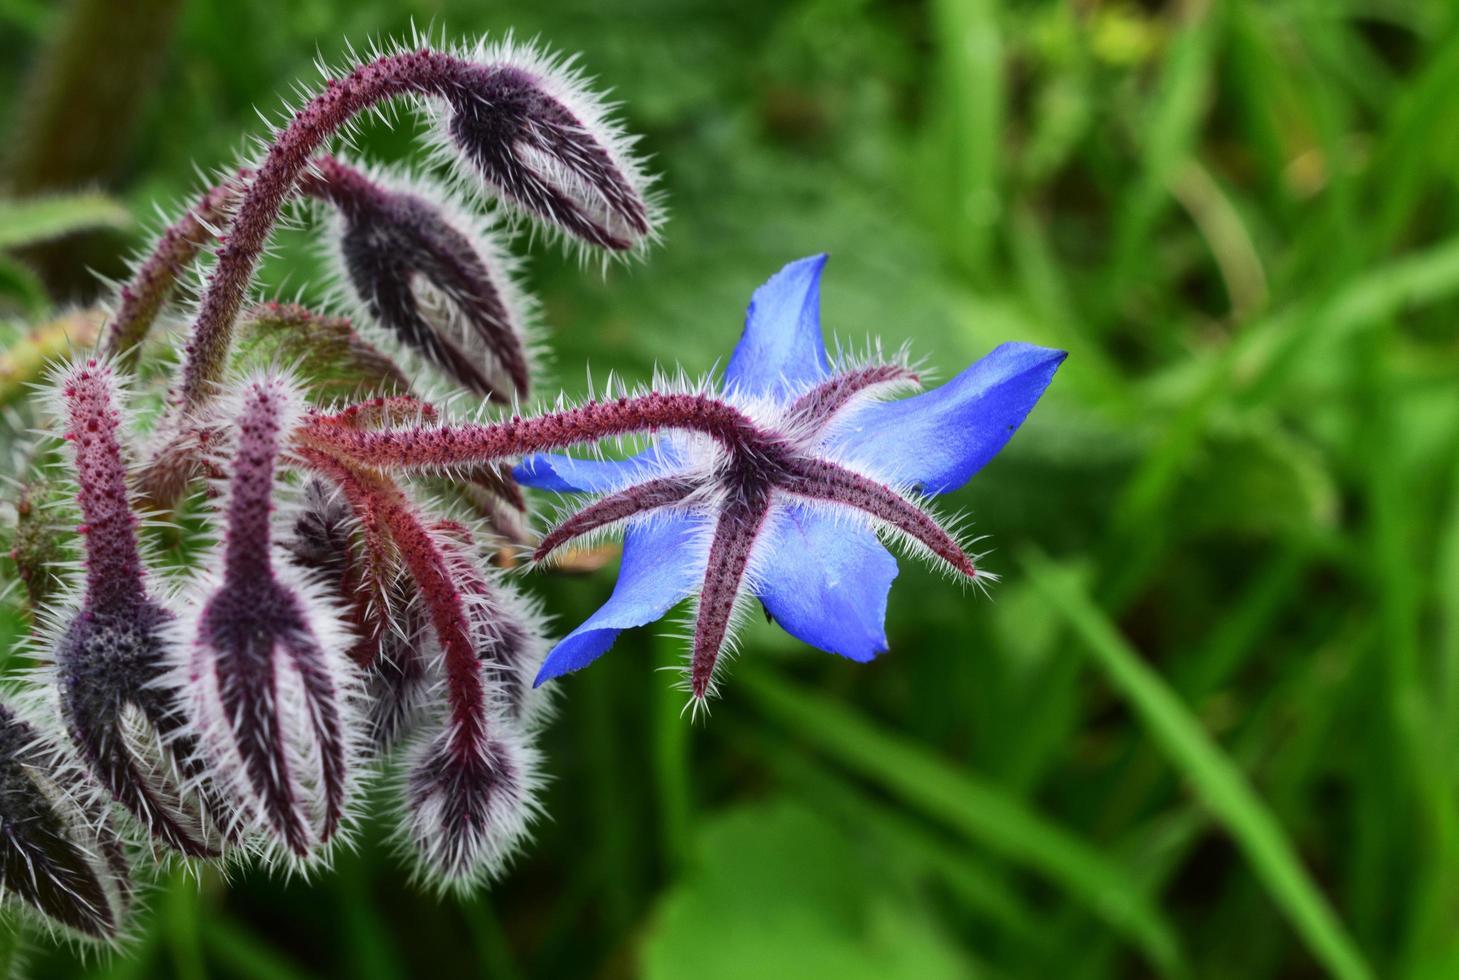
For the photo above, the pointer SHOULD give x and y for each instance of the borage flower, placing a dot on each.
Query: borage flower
(783, 502)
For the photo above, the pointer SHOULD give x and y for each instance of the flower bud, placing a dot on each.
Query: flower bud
(265, 659)
(536, 133)
(59, 853)
(110, 657)
(469, 797)
(440, 287)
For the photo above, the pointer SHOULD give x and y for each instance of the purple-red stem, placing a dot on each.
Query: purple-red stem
(446, 446)
(155, 278)
(246, 554)
(113, 564)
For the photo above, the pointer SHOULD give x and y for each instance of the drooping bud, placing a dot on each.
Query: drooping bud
(470, 779)
(111, 658)
(527, 125)
(265, 665)
(59, 853)
(469, 800)
(438, 286)
(543, 140)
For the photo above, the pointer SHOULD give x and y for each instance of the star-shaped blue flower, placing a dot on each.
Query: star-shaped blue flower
(790, 514)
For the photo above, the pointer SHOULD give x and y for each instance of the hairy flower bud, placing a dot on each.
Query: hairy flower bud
(539, 136)
(59, 854)
(111, 657)
(469, 799)
(265, 666)
(438, 286)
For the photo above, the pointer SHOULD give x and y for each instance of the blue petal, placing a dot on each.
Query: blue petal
(566, 474)
(663, 562)
(937, 440)
(826, 582)
(781, 349)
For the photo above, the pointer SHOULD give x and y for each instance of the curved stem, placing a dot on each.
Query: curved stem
(438, 447)
(143, 296)
(422, 72)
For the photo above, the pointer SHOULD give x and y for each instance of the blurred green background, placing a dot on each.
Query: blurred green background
(1208, 724)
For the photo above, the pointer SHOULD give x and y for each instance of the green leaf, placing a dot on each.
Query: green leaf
(39, 219)
(22, 285)
(780, 892)
(1215, 777)
(982, 812)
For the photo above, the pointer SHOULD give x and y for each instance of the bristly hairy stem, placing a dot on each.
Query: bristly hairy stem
(729, 555)
(440, 447)
(246, 553)
(142, 298)
(384, 510)
(422, 72)
(430, 568)
(816, 479)
(818, 407)
(638, 499)
(113, 564)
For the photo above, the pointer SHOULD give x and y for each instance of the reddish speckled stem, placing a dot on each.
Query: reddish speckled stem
(447, 446)
(113, 565)
(143, 296)
(246, 554)
(389, 512)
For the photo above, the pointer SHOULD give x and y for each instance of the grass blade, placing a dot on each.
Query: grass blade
(1216, 778)
(982, 812)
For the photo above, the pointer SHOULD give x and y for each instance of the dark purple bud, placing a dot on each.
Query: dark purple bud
(470, 780)
(469, 800)
(543, 140)
(440, 289)
(59, 853)
(399, 680)
(265, 663)
(111, 660)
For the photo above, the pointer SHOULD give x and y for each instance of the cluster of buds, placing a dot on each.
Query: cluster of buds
(348, 620)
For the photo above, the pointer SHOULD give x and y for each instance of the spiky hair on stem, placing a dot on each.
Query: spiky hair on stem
(108, 648)
(525, 124)
(157, 274)
(438, 280)
(262, 656)
(60, 854)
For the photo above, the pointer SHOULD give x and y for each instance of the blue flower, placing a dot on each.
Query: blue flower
(789, 507)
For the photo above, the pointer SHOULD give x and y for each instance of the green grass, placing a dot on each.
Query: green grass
(1208, 723)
